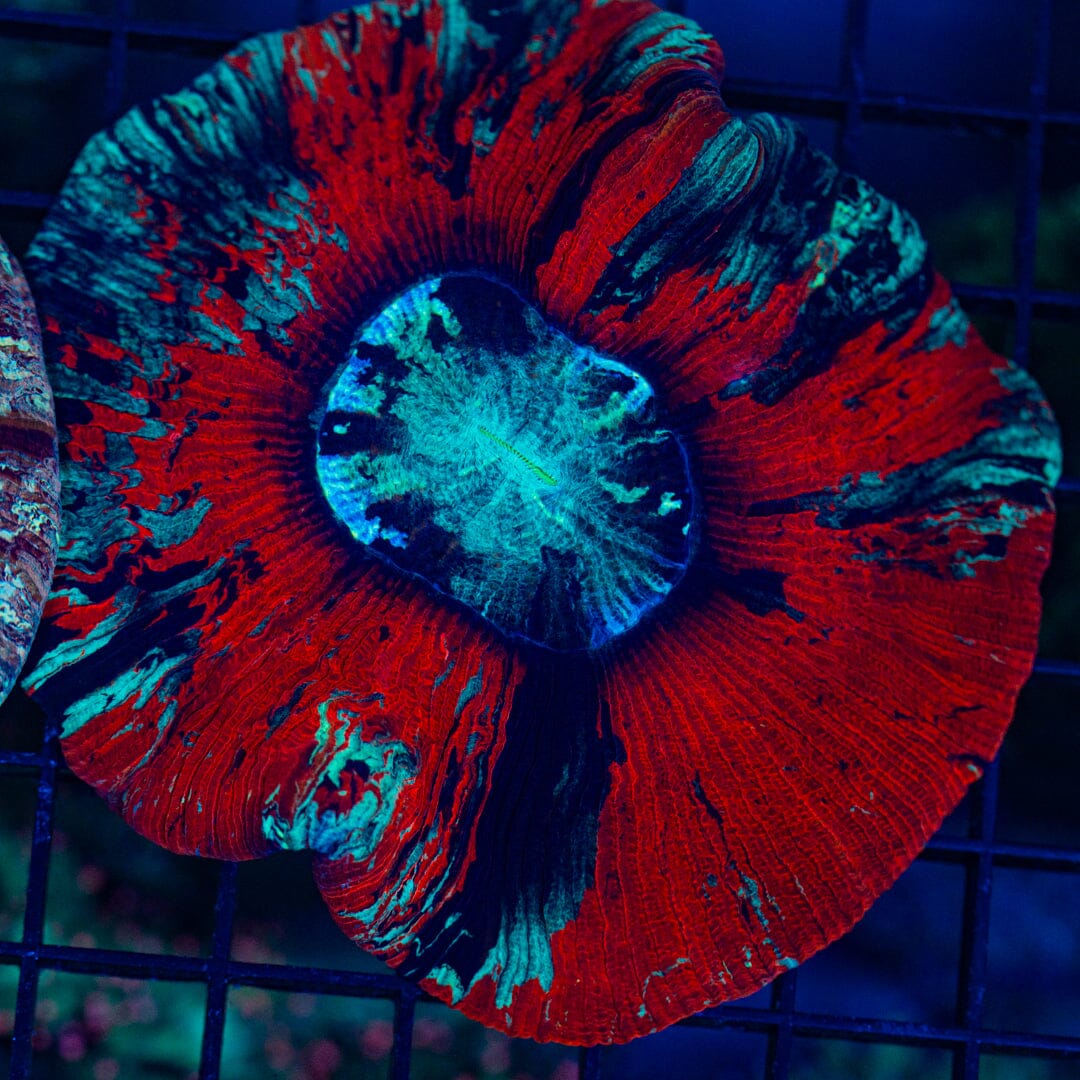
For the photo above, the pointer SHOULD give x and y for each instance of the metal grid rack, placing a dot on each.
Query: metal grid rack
(780, 1021)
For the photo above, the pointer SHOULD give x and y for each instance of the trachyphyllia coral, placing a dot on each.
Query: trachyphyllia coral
(579, 516)
(29, 480)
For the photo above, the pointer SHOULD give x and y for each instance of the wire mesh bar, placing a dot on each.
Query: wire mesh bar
(976, 926)
(352, 984)
(830, 103)
(780, 1042)
(404, 1015)
(741, 93)
(589, 1063)
(92, 29)
(16, 760)
(116, 75)
(1027, 212)
(135, 965)
(1020, 856)
(853, 81)
(1044, 303)
(36, 199)
(893, 1032)
(34, 915)
(1060, 669)
(781, 1021)
(217, 981)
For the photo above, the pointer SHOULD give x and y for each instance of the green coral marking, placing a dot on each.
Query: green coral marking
(520, 954)
(621, 493)
(444, 674)
(134, 686)
(642, 1011)
(70, 652)
(382, 920)
(991, 486)
(307, 80)
(171, 526)
(259, 630)
(668, 503)
(446, 976)
(326, 736)
(1003, 522)
(469, 691)
(948, 325)
(859, 215)
(355, 830)
(721, 172)
(650, 43)
(749, 890)
(545, 476)
(158, 674)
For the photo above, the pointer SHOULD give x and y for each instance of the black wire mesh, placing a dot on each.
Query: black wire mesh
(773, 1015)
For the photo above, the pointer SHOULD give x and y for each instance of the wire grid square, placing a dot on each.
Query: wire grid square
(114, 900)
(18, 795)
(1043, 116)
(992, 69)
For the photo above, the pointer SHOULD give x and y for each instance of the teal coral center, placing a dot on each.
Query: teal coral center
(469, 443)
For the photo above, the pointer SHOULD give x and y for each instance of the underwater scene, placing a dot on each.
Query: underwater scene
(566, 523)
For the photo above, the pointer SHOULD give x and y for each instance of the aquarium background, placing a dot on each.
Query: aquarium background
(119, 960)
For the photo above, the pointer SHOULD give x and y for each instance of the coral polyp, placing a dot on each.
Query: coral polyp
(580, 516)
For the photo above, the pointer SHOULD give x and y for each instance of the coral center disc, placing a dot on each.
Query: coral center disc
(469, 443)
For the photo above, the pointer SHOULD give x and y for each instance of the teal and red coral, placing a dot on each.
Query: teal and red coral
(29, 473)
(288, 616)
